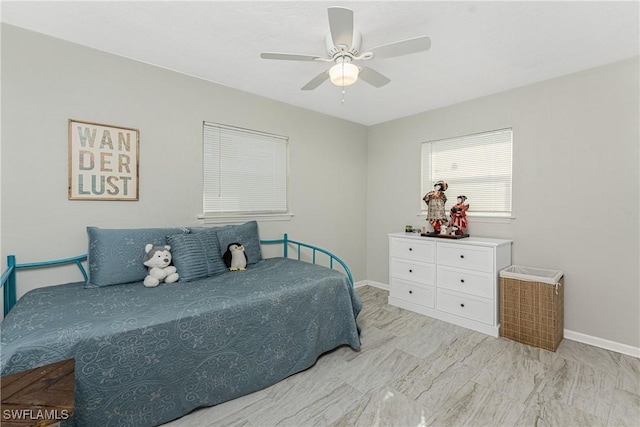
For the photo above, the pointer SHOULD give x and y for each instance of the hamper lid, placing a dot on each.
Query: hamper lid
(532, 274)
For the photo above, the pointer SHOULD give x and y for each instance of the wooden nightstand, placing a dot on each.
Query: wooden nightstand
(38, 397)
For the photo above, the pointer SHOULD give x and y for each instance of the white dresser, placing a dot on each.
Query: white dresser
(455, 280)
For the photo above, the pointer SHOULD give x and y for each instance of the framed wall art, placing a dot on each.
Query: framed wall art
(103, 161)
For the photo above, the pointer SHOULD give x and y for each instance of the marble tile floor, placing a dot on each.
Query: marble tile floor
(416, 371)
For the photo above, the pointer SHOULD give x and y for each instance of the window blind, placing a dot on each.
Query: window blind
(477, 166)
(245, 171)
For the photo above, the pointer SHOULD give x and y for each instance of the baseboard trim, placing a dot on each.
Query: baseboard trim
(375, 284)
(602, 343)
(568, 334)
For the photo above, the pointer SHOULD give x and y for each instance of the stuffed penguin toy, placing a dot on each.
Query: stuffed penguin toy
(235, 258)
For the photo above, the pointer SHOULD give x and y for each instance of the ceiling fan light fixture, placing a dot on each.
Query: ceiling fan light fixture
(343, 44)
(344, 74)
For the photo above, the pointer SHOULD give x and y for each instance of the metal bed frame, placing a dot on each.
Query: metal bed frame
(8, 278)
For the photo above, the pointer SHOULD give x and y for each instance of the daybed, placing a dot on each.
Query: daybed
(145, 356)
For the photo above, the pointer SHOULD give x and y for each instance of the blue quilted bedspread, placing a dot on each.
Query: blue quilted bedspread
(145, 356)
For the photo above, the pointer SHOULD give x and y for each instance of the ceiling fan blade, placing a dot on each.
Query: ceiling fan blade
(373, 77)
(341, 26)
(291, 56)
(403, 47)
(316, 81)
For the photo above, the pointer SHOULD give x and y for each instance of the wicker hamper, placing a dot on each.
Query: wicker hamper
(532, 306)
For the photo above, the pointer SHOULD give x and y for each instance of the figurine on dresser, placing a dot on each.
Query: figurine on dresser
(459, 216)
(435, 200)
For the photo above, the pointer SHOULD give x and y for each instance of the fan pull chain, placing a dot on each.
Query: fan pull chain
(343, 89)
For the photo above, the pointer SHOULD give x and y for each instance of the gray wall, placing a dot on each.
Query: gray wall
(575, 187)
(46, 81)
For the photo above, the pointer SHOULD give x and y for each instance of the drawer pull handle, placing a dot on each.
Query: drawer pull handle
(410, 292)
(461, 280)
(461, 256)
(462, 305)
(410, 249)
(410, 271)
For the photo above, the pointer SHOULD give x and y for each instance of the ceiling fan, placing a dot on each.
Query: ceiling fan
(343, 45)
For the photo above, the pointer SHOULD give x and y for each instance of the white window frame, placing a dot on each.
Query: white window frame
(427, 180)
(228, 215)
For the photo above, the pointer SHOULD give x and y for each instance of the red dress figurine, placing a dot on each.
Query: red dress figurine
(459, 215)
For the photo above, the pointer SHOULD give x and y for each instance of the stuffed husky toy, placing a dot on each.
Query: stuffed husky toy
(158, 258)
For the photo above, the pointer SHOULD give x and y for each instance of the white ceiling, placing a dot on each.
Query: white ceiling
(478, 48)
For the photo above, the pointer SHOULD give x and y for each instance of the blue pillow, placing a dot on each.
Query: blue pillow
(247, 234)
(194, 230)
(116, 256)
(196, 255)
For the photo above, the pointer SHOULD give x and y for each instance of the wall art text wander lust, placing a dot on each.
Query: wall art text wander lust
(103, 161)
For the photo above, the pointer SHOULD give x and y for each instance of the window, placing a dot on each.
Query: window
(477, 166)
(245, 172)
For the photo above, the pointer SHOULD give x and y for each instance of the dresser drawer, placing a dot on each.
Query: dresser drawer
(413, 292)
(474, 308)
(468, 281)
(413, 249)
(466, 256)
(413, 271)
